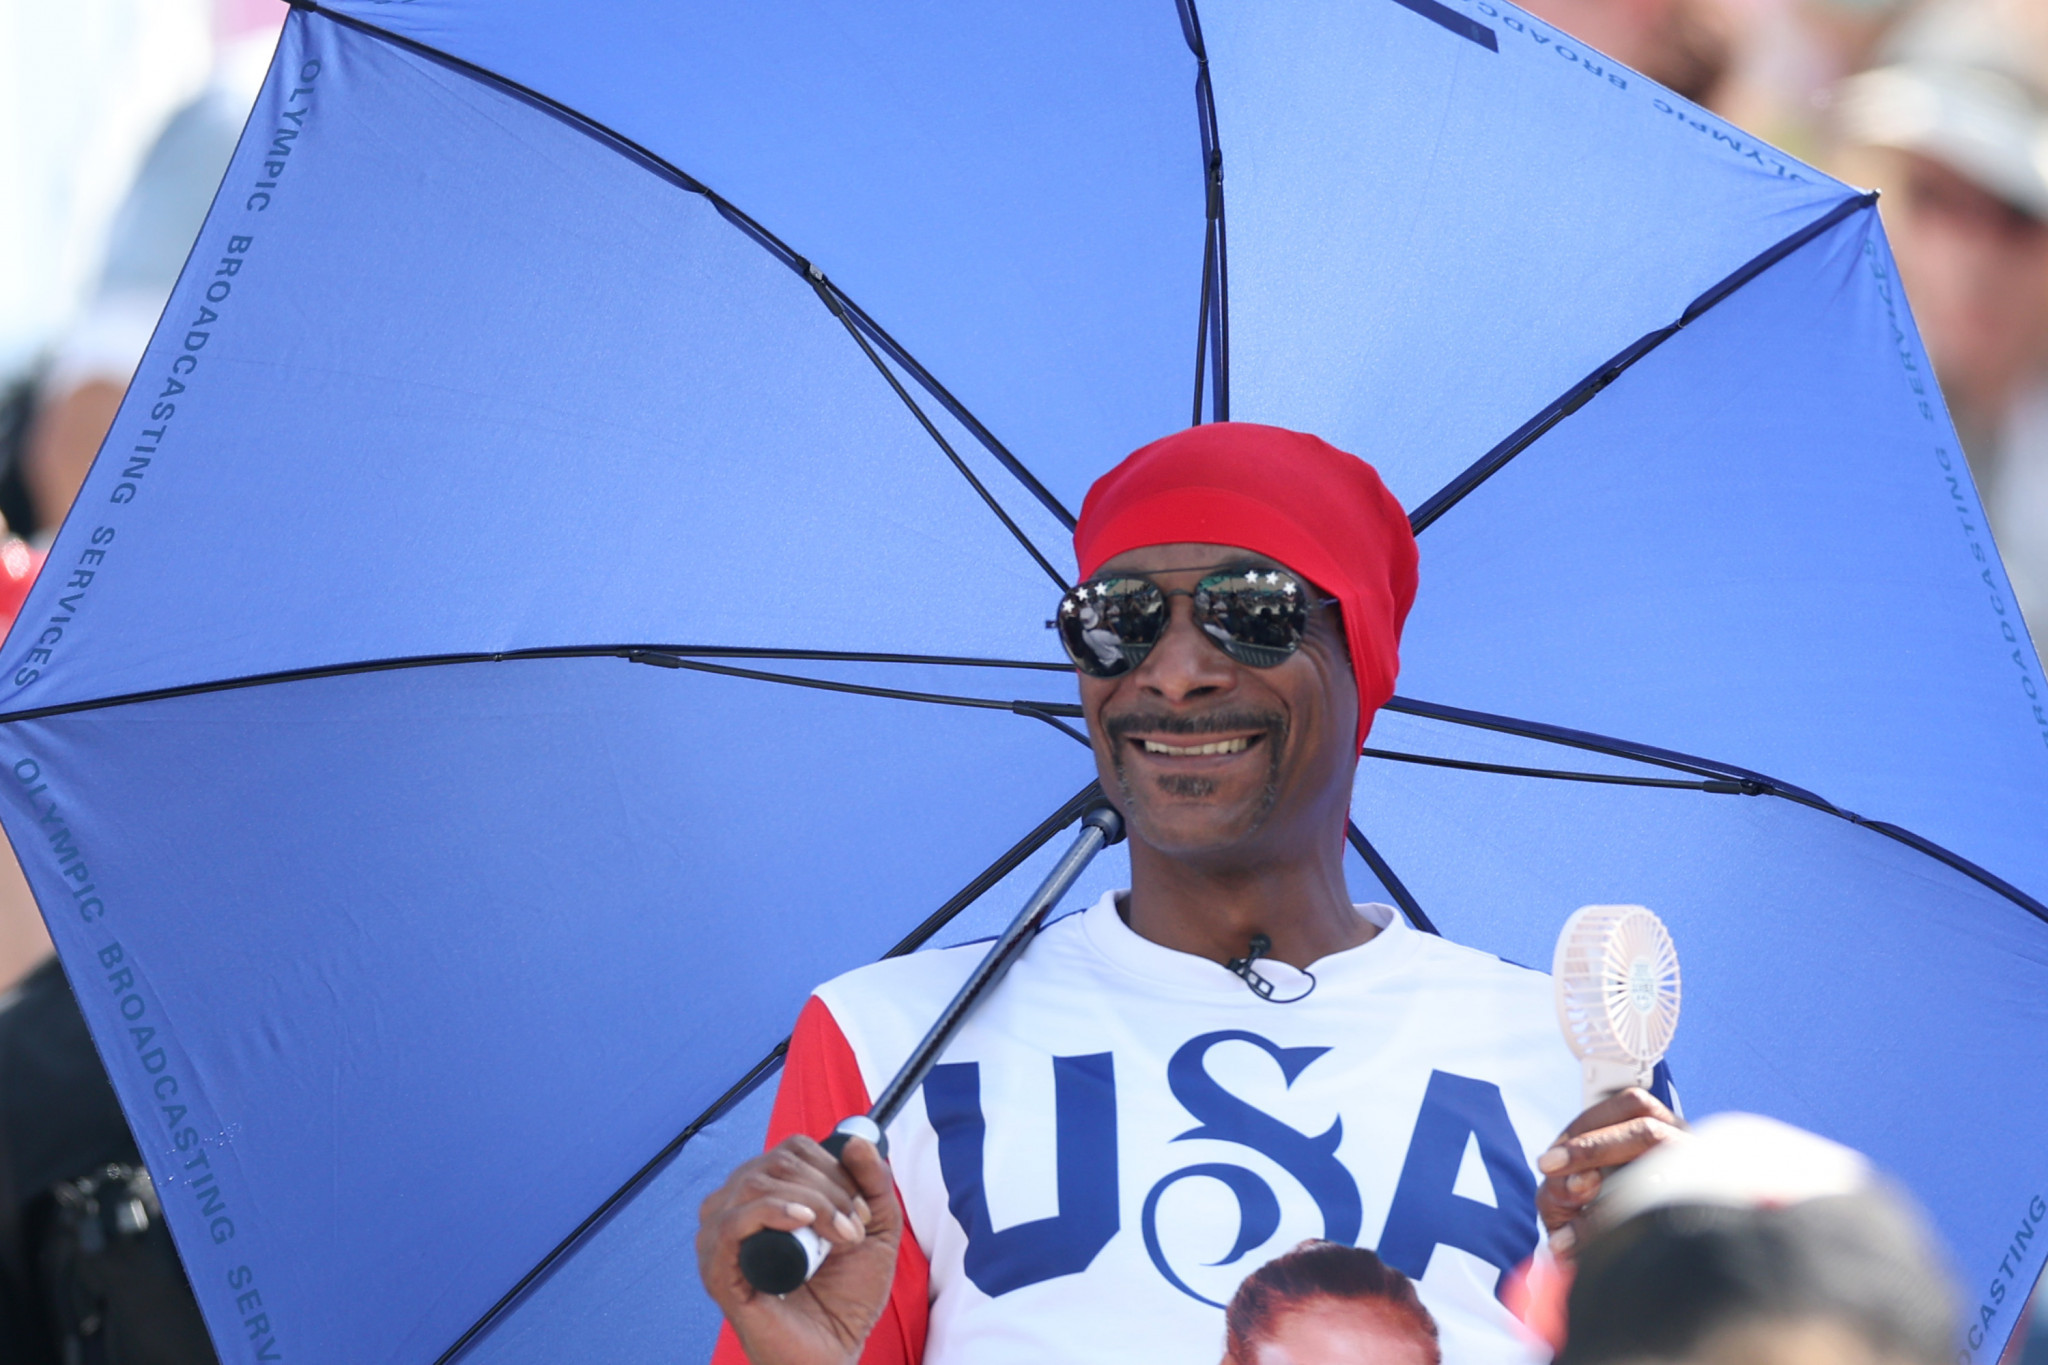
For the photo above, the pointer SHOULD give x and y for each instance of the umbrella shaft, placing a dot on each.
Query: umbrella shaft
(1100, 828)
(776, 1262)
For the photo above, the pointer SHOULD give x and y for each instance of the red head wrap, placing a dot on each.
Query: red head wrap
(1284, 494)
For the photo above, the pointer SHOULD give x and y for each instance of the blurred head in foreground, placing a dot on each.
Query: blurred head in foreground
(1325, 1304)
(1757, 1244)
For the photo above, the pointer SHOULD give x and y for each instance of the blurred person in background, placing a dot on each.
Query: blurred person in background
(56, 413)
(1686, 45)
(1755, 1243)
(1790, 57)
(87, 1269)
(1953, 128)
(85, 87)
(1768, 66)
(23, 940)
(74, 398)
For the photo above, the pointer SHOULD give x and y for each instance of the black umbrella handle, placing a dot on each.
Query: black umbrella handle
(776, 1262)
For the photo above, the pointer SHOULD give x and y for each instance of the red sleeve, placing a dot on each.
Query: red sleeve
(821, 1084)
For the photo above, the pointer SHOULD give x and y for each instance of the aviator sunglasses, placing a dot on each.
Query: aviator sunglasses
(1254, 614)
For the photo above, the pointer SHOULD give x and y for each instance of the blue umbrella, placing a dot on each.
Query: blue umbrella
(568, 576)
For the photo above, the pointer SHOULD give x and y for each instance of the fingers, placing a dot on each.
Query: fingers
(1561, 1200)
(852, 1207)
(1611, 1133)
(1604, 1148)
(808, 1152)
(789, 1205)
(854, 1203)
(1632, 1103)
(873, 1183)
(794, 1184)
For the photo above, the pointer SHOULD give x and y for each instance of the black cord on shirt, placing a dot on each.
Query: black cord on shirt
(1242, 967)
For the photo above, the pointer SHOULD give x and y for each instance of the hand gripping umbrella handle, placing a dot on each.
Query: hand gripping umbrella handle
(776, 1262)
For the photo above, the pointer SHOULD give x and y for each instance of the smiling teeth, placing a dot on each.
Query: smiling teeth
(1221, 746)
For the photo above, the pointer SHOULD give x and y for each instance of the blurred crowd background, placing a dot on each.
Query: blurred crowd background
(1942, 105)
(117, 118)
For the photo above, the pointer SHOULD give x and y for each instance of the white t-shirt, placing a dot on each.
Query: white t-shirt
(1120, 1133)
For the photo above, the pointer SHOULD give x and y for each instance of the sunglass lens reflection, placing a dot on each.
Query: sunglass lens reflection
(1258, 616)
(1109, 625)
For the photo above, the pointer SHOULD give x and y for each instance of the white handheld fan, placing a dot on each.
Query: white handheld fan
(1616, 978)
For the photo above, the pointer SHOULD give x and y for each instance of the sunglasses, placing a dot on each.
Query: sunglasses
(1256, 615)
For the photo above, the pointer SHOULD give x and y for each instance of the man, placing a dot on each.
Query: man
(1125, 1121)
(1325, 1304)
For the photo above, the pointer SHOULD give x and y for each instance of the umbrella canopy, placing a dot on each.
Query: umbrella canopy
(568, 576)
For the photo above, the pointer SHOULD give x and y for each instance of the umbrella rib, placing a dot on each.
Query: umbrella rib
(823, 288)
(989, 876)
(1212, 328)
(1037, 710)
(1710, 784)
(1579, 394)
(1592, 743)
(1396, 888)
(1202, 318)
(911, 366)
(774, 245)
(667, 656)
(739, 1090)
(1722, 777)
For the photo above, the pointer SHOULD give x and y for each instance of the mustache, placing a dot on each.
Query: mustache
(1208, 723)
